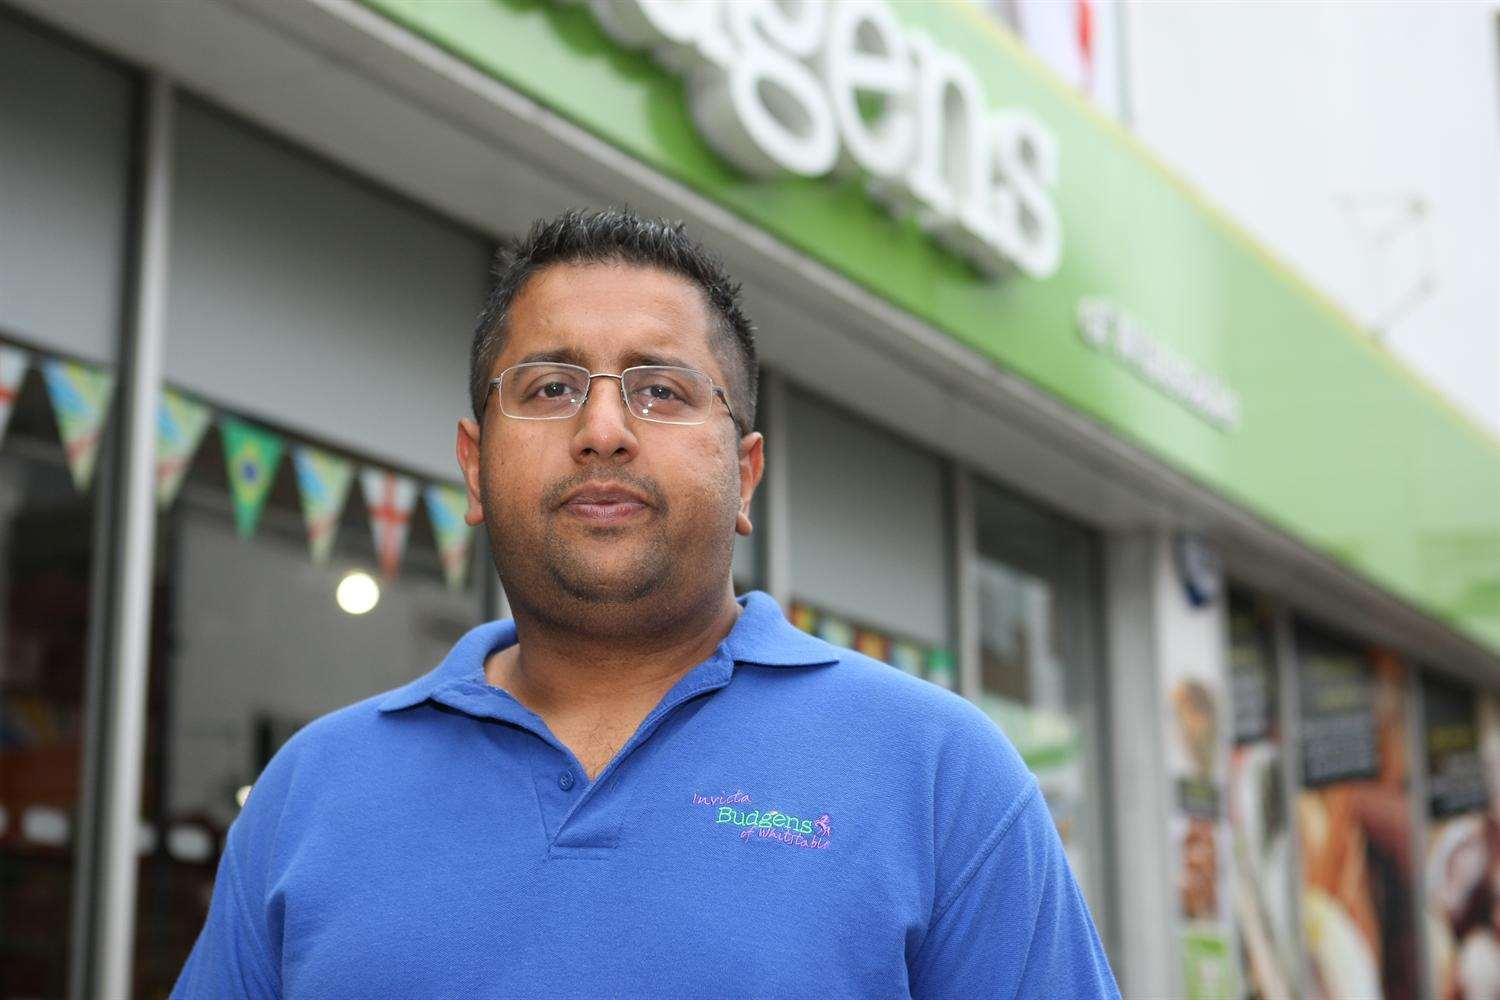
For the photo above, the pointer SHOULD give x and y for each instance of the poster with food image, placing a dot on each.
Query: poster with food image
(1200, 836)
(1462, 915)
(1194, 679)
(1194, 764)
(1258, 809)
(1354, 822)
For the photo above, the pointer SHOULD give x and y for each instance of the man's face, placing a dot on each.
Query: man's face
(604, 512)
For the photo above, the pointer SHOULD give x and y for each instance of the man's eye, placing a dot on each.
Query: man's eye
(662, 392)
(552, 390)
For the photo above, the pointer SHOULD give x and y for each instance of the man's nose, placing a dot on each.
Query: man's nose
(604, 424)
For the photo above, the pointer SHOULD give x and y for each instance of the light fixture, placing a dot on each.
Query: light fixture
(358, 593)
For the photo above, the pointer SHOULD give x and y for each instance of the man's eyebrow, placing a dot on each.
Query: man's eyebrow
(573, 356)
(563, 355)
(634, 358)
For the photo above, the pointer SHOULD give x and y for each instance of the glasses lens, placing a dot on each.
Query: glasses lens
(543, 390)
(669, 395)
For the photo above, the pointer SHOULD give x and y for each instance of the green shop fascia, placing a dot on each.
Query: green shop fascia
(1035, 231)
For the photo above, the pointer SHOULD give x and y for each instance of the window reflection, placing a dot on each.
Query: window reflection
(1035, 586)
(249, 644)
(46, 558)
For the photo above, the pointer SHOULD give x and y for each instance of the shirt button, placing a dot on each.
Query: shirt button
(565, 780)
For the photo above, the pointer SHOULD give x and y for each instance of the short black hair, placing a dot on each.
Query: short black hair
(618, 236)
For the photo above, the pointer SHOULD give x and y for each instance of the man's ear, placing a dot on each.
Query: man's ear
(468, 463)
(752, 467)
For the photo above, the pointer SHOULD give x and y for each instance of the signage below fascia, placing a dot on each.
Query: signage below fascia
(1106, 328)
(812, 87)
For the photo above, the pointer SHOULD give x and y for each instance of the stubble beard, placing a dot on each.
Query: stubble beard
(556, 574)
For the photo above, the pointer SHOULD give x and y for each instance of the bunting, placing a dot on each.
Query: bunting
(12, 370)
(836, 631)
(390, 497)
(80, 400)
(180, 424)
(907, 657)
(872, 644)
(323, 481)
(81, 394)
(251, 455)
(446, 506)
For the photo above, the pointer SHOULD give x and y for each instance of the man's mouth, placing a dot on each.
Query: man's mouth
(604, 504)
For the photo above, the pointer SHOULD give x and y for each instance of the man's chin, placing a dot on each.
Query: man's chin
(600, 585)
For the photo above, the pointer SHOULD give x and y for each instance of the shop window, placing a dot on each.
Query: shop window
(313, 554)
(1035, 578)
(868, 528)
(47, 553)
(253, 637)
(65, 119)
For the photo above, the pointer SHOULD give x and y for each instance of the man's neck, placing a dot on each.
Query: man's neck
(561, 673)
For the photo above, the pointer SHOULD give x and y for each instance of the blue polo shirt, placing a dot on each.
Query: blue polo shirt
(792, 819)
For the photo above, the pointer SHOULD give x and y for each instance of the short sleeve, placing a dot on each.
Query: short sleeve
(1016, 924)
(230, 960)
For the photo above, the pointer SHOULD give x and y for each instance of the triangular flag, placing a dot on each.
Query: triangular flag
(872, 644)
(907, 657)
(446, 506)
(836, 631)
(80, 400)
(251, 455)
(12, 370)
(323, 481)
(390, 497)
(180, 423)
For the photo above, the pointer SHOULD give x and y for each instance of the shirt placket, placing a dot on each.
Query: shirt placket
(581, 818)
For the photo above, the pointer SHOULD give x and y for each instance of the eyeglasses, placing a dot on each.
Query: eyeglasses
(664, 394)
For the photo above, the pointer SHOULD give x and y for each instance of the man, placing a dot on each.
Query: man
(642, 786)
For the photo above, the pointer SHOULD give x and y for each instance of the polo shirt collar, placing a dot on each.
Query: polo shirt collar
(762, 636)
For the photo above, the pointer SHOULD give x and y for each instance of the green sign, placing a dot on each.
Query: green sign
(1229, 368)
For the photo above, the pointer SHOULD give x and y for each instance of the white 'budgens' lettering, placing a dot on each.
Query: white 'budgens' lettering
(810, 87)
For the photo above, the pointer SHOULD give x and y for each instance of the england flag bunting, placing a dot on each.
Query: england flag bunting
(390, 498)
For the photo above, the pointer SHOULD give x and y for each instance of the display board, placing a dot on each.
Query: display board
(1354, 821)
(1463, 841)
(1259, 820)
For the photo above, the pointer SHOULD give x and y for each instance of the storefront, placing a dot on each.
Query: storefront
(1042, 428)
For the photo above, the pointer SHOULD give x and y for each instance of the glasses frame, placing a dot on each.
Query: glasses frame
(718, 391)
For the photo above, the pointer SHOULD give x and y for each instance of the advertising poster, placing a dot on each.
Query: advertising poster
(1354, 822)
(1194, 678)
(1259, 821)
(1463, 844)
(1199, 835)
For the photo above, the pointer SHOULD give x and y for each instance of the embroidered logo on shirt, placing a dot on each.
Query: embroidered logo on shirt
(767, 824)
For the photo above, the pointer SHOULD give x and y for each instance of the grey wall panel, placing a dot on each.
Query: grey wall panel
(866, 522)
(303, 296)
(65, 120)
